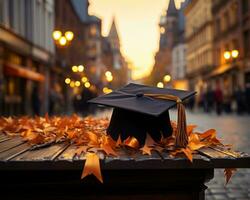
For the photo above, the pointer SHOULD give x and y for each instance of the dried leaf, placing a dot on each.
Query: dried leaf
(119, 141)
(92, 166)
(132, 142)
(108, 150)
(146, 150)
(188, 153)
(149, 141)
(228, 173)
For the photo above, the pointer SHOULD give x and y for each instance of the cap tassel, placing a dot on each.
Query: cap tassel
(181, 139)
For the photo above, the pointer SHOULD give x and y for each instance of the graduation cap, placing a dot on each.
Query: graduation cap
(140, 110)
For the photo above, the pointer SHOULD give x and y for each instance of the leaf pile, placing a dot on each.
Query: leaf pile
(89, 135)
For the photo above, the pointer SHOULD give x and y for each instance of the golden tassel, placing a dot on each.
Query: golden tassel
(181, 139)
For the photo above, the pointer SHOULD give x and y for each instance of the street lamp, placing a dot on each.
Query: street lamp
(235, 53)
(167, 78)
(160, 85)
(62, 41)
(80, 68)
(69, 35)
(87, 84)
(77, 83)
(57, 35)
(227, 55)
(67, 80)
(84, 79)
(74, 68)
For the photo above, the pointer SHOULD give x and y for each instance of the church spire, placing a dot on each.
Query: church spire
(113, 34)
(171, 11)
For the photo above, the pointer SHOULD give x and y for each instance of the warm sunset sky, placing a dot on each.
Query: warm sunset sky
(137, 24)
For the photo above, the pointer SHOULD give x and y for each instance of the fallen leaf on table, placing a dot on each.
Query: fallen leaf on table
(188, 153)
(228, 173)
(119, 141)
(146, 150)
(92, 166)
(108, 150)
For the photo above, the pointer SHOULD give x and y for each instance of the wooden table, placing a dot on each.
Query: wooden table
(54, 172)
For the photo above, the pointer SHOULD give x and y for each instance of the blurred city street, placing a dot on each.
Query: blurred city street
(56, 55)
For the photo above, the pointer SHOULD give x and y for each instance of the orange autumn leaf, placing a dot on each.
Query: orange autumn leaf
(132, 142)
(81, 149)
(149, 141)
(92, 166)
(93, 138)
(108, 149)
(190, 128)
(195, 146)
(188, 154)
(228, 173)
(211, 133)
(119, 141)
(146, 150)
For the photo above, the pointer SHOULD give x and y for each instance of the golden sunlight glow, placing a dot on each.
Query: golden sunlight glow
(77, 83)
(80, 68)
(56, 35)
(62, 41)
(74, 68)
(69, 35)
(235, 53)
(227, 55)
(167, 78)
(87, 84)
(160, 85)
(137, 23)
(84, 79)
(67, 80)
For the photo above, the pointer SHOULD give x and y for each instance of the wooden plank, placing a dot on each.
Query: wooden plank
(4, 137)
(214, 154)
(13, 152)
(4, 146)
(44, 154)
(68, 154)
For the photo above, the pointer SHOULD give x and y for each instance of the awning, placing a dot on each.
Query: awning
(20, 71)
(221, 69)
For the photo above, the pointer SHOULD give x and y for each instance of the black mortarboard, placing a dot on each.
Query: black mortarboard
(140, 109)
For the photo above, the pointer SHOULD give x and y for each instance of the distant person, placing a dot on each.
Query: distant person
(35, 100)
(210, 99)
(218, 95)
(227, 101)
(239, 97)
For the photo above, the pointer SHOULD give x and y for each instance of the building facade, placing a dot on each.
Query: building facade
(231, 46)
(26, 54)
(199, 41)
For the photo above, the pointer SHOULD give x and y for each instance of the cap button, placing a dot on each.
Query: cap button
(139, 94)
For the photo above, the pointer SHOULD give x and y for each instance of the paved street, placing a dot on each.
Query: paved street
(234, 130)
